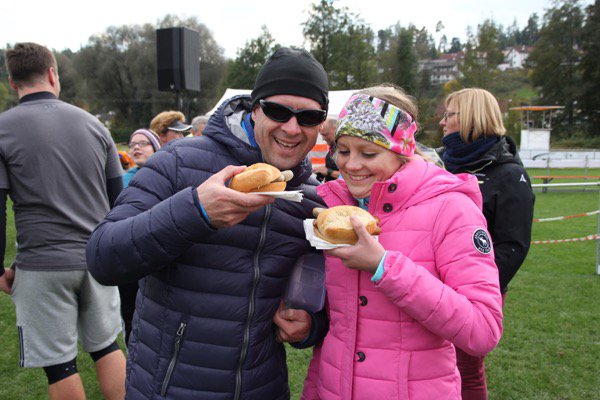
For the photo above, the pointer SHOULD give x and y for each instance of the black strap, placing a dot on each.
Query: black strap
(114, 186)
(3, 196)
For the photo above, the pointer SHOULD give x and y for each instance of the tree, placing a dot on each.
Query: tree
(511, 36)
(70, 79)
(117, 74)
(455, 45)
(483, 54)
(530, 33)
(242, 71)
(590, 98)
(361, 72)
(556, 58)
(332, 35)
(398, 64)
(8, 97)
(405, 71)
(324, 24)
(443, 45)
(424, 44)
(383, 40)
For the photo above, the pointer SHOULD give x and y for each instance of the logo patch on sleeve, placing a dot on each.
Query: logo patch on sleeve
(482, 241)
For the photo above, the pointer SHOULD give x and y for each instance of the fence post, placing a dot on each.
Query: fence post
(598, 242)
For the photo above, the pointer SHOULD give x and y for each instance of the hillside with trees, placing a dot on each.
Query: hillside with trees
(553, 60)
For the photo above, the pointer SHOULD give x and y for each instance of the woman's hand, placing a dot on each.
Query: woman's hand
(365, 255)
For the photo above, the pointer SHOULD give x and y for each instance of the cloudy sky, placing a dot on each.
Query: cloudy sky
(61, 24)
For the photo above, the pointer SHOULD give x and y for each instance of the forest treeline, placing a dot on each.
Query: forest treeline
(114, 74)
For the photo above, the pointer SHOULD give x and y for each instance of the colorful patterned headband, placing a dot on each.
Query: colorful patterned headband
(378, 121)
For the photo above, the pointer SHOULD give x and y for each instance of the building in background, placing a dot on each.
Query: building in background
(442, 69)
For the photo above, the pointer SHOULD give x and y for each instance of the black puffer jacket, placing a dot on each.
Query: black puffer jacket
(507, 204)
(203, 324)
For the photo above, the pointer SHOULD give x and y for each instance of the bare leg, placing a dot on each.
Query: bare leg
(69, 388)
(110, 370)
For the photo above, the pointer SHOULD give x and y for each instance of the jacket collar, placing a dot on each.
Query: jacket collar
(415, 182)
(505, 151)
(37, 96)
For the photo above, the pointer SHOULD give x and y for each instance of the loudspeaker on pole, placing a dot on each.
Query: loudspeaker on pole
(178, 59)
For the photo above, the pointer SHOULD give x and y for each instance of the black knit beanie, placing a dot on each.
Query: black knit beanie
(294, 72)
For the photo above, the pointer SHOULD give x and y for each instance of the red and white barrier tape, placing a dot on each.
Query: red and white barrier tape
(581, 239)
(587, 214)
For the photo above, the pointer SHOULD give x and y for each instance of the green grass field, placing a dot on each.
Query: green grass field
(551, 343)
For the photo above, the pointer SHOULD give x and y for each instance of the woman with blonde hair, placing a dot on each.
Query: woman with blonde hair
(475, 142)
(399, 304)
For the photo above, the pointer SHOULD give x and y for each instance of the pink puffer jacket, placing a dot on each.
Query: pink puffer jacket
(395, 339)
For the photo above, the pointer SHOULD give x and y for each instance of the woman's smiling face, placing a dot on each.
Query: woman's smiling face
(362, 163)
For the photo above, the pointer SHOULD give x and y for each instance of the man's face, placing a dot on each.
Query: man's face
(285, 144)
(328, 133)
(170, 135)
(198, 132)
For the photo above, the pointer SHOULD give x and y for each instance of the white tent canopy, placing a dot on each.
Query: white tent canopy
(337, 99)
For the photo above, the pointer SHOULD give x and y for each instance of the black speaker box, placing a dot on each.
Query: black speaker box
(178, 59)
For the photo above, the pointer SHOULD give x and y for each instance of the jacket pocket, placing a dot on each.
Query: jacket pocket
(173, 361)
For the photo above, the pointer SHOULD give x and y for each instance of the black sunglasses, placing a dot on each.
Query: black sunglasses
(281, 113)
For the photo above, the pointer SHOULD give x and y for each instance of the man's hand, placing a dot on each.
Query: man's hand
(293, 325)
(226, 207)
(6, 281)
(365, 254)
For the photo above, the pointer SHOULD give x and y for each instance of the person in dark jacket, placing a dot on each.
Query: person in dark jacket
(212, 263)
(475, 142)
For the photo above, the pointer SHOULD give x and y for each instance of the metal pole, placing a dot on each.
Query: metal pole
(598, 243)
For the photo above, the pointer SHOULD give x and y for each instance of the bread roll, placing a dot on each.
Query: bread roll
(333, 224)
(260, 177)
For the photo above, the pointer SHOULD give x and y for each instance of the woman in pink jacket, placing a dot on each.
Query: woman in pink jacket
(399, 305)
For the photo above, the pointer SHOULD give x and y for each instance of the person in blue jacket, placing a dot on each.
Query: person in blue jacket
(212, 263)
(142, 144)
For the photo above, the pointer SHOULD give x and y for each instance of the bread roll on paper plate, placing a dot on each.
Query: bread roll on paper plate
(261, 177)
(333, 224)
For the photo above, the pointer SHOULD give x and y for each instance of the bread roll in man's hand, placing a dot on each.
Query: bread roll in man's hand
(333, 224)
(261, 177)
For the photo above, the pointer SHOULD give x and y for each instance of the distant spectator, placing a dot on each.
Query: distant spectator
(60, 167)
(475, 142)
(198, 124)
(329, 171)
(142, 144)
(169, 125)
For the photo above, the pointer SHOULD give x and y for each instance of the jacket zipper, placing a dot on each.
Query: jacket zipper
(178, 338)
(251, 306)
(480, 168)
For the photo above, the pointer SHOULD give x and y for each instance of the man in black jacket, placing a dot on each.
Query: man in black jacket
(212, 262)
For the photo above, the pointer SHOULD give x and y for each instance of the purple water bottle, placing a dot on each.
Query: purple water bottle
(306, 285)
